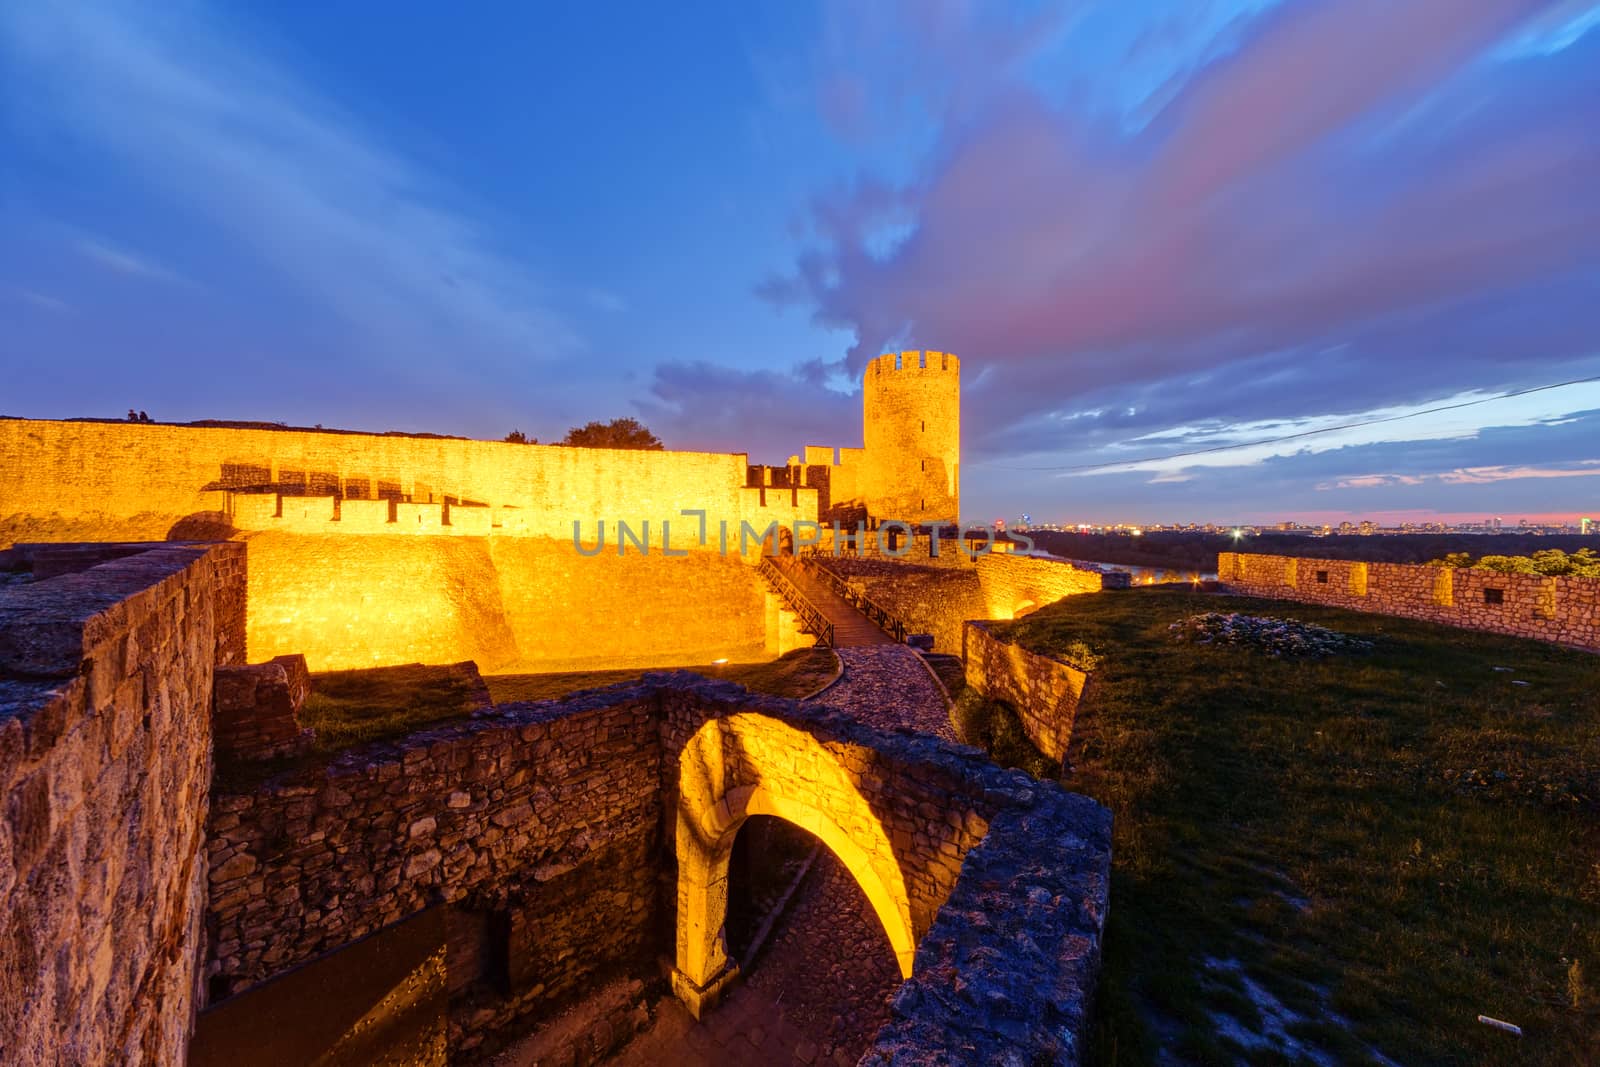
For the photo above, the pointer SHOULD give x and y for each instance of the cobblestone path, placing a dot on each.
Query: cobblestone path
(817, 994)
(889, 686)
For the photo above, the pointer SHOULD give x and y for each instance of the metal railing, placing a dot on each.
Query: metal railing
(880, 615)
(815, 621)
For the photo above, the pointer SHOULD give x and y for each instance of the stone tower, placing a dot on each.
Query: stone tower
(911, 418)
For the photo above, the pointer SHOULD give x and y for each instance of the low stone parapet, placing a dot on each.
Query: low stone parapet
(1565, 610)
(1046, 692)
(256, 709)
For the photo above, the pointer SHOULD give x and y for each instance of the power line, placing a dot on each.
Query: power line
(1304, 433)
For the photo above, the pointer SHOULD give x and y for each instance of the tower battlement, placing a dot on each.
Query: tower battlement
(914, 361)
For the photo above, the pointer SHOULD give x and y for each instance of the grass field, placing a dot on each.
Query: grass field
(797, 674)
(1345, 860)
(353, 707)
(348, 708)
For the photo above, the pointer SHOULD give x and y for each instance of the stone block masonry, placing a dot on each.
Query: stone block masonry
(553, 824)
(1045, 692)
(1562, 610)
(256, 709)
(995, 585)
(105, 769)
(540, 830)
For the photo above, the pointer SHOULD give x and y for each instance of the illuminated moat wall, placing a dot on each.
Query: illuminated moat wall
(374, 549)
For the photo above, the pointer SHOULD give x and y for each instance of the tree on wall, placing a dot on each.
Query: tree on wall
(618, 433)
(517, 437)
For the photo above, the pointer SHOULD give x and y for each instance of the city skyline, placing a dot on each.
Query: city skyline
(1150, 231)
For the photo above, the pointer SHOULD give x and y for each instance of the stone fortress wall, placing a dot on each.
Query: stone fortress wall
(105, 775)
(161, 474)
(466, 554)
(937, 592)
(1563, 610)
(374, 549)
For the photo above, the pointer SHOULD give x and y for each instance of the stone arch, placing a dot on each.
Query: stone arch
(751, 764)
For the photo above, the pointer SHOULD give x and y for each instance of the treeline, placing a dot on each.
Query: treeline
(1198, 551)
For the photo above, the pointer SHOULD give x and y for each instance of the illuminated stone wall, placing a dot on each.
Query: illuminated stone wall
(1564, 610)
(938, 599)
(1045, 692)
(554, 823)
(505, 603)
(1015, 585)
(105, 769)
(149, 474)
(373, 580)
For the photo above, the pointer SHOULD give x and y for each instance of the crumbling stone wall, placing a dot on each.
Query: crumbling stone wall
(503, 814)
(105, 768)
(1564, 610)
(1015, 585)
(1045, 692)
(255, 709)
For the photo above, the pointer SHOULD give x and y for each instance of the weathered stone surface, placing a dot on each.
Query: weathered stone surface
(256, 709)
(1563, 610)
(1045, 692)
(1007, 973)
(104, 778)
(561, 838)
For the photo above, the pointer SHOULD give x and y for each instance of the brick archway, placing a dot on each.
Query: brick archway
(751, 764)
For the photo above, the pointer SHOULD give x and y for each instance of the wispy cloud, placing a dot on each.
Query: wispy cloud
(201, 112)
(123, 262)
(1588, 468)
(43, 302)
(1484, 475)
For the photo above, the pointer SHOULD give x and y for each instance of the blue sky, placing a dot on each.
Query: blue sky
(1146, 228)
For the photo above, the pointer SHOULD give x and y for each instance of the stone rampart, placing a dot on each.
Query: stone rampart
(1045, 692)
(137, 481)
(105, 768)
(1563, 610)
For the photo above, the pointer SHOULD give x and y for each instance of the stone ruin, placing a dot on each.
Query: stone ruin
(431, 897)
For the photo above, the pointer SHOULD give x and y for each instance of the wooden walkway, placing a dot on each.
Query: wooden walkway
(851, 629)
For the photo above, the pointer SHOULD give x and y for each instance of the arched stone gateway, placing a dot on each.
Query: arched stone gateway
(775, 770)
(546, 829)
